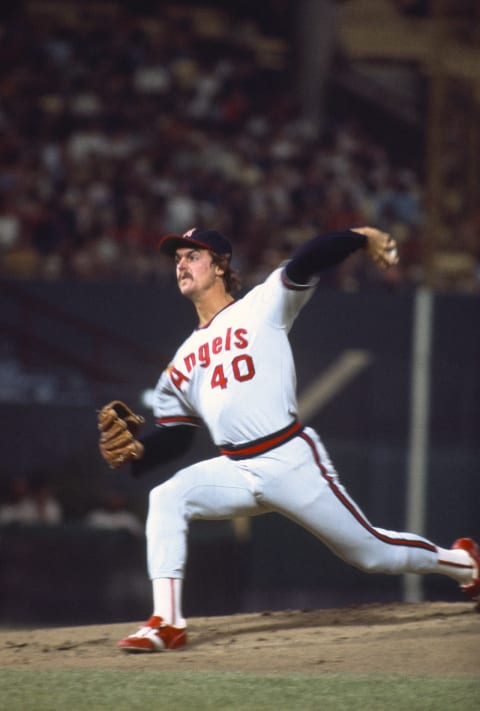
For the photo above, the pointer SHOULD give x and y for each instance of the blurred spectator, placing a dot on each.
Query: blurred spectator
(114, 515)
(18, 507)
(47, 509)
(30, 503)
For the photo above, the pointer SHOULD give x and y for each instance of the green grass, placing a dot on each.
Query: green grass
(118, 691)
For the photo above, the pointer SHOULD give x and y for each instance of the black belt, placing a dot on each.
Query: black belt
(262, 445)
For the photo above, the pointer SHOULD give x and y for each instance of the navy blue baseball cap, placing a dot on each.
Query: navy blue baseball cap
(203, 239)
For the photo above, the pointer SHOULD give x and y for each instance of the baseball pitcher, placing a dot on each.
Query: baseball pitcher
(235, 374)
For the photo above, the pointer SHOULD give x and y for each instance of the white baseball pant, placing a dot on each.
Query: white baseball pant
(296, 479)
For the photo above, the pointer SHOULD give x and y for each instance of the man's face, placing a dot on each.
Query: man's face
(196, 272)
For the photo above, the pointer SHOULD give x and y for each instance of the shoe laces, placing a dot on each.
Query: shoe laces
(152, 626)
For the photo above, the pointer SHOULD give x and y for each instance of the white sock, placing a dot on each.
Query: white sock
(167, 600)
(457, 564)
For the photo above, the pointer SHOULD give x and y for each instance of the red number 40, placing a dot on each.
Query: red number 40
(242, 369)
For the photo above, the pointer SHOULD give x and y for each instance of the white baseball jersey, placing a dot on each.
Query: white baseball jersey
(237, 374)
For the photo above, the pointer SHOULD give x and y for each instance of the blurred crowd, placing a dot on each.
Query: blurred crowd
(29, 502)
(116, 128)
(32, 501)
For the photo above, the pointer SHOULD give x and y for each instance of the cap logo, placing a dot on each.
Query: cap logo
(189, 234)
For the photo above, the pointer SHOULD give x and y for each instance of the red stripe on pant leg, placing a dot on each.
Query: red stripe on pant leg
(356, 513)
(464, 566)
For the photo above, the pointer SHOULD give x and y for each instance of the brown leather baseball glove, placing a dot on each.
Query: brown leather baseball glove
(119, 427)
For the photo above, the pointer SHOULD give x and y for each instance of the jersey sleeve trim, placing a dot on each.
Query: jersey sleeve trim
(178, 420)
(289, 284)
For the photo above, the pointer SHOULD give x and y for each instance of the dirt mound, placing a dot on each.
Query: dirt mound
(421, 639)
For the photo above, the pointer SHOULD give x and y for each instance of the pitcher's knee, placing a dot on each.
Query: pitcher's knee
(163, 497)
(166, 513)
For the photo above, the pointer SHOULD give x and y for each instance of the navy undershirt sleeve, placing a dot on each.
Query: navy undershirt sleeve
(161, 446)
(322, 252)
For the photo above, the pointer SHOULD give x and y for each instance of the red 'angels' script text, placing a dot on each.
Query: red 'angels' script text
(203, 355)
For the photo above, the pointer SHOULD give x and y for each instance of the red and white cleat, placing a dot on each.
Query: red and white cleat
(154, 636)
(473, 550)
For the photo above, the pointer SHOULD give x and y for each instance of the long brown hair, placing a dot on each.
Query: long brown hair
(230, 276)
